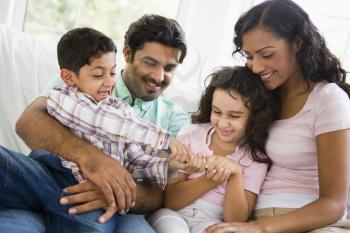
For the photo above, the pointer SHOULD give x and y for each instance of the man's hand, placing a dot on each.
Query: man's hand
(91, 198)
(114, 181)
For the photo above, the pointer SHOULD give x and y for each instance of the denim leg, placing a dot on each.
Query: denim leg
(21, 221)
(133, 223)
(35, 183)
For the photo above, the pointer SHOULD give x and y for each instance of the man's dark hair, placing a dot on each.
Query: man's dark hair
(155, 28)
(79, 46)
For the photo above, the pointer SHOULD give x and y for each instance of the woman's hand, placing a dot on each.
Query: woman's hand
(89, 197)
(249, 227)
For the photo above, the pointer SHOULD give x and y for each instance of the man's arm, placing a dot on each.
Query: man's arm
(40, 131)
(90, 197)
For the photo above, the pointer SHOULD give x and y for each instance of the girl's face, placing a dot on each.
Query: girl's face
(271, 57)
(229, 116)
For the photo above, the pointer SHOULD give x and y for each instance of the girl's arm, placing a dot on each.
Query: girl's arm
(180, 195)
(238, 203)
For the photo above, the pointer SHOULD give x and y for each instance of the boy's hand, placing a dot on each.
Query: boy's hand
(179, 152)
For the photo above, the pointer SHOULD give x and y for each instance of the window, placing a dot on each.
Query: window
(50, 19)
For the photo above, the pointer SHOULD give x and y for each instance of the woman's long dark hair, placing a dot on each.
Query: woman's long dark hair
(256, 98)
(287, 20)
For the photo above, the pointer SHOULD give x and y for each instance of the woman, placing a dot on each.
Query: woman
(306, 188)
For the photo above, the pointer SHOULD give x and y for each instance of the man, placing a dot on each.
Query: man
(153, 48)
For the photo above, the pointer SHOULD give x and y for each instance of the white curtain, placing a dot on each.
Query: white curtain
(209, 27)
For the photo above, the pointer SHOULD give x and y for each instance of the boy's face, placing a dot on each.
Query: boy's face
(151, 70)
(97, 79)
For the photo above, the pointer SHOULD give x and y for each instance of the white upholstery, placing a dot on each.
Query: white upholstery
(26, 65)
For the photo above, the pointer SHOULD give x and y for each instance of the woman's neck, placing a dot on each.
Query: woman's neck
(295, 85)
(294, 94)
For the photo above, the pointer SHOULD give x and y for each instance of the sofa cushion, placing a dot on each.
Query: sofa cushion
(26, 65)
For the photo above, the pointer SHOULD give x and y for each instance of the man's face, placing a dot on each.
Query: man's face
(151, 70)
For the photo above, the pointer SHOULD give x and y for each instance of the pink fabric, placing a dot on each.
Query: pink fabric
(292, 142)
(195, 137)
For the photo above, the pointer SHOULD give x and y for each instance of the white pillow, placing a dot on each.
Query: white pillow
(26, 65)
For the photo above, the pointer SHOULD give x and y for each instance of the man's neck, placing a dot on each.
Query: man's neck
(123, 74)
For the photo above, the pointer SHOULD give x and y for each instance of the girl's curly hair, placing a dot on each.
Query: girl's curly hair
(257, 99)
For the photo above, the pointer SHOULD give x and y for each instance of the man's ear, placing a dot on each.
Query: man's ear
(127, 53)
(68, 77)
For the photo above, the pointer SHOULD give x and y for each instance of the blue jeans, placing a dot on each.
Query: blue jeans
(21, 221)
(133, 223)
(35, 183)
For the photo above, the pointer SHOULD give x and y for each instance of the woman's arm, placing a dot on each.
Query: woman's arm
(334, 166)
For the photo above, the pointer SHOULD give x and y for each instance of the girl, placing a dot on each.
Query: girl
(310, 142)
(230, 127)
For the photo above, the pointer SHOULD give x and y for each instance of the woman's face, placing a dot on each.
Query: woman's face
(271, 57)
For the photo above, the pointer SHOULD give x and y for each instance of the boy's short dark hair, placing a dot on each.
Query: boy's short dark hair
(79, 46)
(155, 28)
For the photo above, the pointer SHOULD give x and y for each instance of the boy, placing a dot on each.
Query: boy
(87, 97)
(87, 62)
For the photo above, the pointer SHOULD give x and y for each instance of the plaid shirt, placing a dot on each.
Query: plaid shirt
(111, 126)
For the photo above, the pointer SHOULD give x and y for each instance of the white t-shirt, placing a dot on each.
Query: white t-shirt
(292, 180)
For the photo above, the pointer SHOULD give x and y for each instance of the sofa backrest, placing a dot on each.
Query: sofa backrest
(26, 66)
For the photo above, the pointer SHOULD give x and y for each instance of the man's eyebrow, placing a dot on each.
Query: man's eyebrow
(150, 58)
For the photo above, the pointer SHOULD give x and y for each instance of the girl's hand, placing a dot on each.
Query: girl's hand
(218, 175)
(249, 227)
(216, 162)
(196, 163)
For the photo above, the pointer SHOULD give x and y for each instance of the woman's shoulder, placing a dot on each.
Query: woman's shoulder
(325, 90)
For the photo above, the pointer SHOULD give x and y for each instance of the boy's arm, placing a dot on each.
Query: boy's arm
(40, 131)
(110, 122)
(152, 168)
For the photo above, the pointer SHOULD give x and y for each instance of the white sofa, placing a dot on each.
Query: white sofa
(26, 65)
